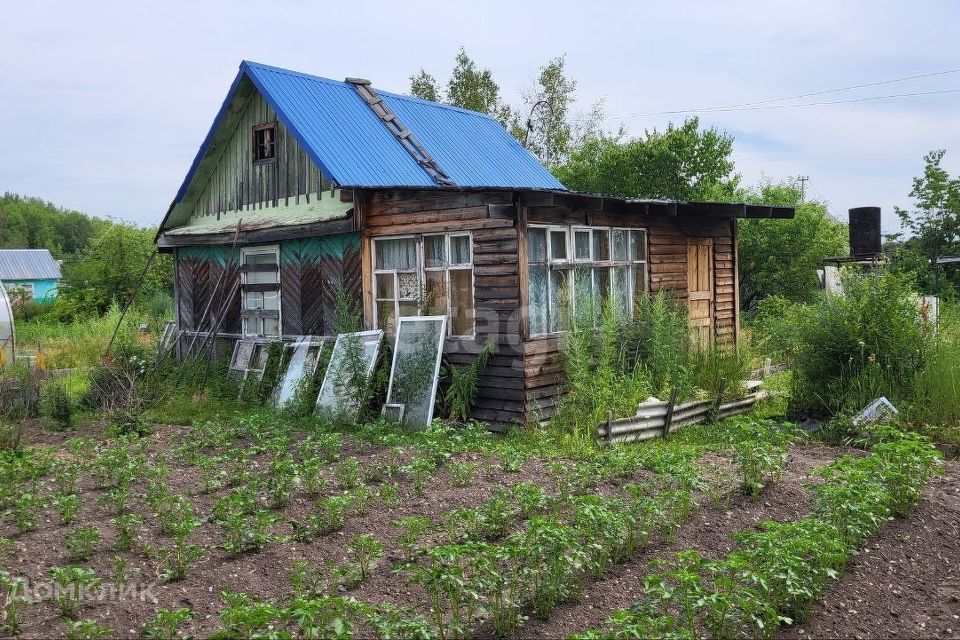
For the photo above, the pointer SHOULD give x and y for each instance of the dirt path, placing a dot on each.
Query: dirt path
(906, 581)
(709, 531)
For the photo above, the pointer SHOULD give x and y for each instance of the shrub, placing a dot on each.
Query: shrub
(855, 347)
(58, 405)
(462, 390)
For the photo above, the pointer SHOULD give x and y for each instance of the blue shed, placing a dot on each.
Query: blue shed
(31, 273)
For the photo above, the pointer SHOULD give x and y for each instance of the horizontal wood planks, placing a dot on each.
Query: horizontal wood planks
(490, 218)
(667, 264)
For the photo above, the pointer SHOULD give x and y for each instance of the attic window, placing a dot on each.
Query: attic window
(264, 139)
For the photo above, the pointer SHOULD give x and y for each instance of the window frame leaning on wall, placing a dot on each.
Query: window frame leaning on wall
(259, 315)
(421, 273)
(558, 266)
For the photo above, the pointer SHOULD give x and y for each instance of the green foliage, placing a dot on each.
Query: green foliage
(67, 506)
(71, 584)
(244, 524)
(411, 530)
(855, 347)
(58, 405)
(11, 602)
(935, 221)
(166, 623)
(781, 257)
(87, 630)
(462, 390)
(81, 541)
(366, 551)
(683, 162)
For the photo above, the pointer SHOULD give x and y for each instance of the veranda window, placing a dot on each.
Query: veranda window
(260, 280)
(429, 274)
(606, 263)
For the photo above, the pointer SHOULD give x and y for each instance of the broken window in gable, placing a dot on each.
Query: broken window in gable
(264, 143)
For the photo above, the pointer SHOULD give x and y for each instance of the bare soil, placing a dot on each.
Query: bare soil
(906, 583)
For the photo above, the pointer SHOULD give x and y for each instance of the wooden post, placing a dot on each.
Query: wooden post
(668, 420)
(716, 405)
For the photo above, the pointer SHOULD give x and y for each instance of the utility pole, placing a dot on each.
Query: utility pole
(803, 187)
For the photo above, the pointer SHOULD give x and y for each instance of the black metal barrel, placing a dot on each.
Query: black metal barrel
(865, 238)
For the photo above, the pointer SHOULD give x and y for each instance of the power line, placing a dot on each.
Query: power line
(783, 106)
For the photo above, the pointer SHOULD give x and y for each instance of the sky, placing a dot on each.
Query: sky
(104, 104)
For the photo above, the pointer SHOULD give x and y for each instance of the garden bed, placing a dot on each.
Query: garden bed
(470, 474)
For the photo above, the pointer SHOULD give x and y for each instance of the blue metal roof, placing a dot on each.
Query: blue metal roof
(354, 148)
(28, 264)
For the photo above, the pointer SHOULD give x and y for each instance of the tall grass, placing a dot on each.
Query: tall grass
(80, 343)
(935, 403)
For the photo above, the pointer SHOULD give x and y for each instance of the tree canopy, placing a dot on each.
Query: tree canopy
(781, 257)
(682, 162)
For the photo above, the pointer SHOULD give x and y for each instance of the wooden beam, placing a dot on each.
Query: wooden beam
(251, 236)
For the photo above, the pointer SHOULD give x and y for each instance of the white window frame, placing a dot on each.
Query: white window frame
(259, 250)
(572, 263)
(420, 269)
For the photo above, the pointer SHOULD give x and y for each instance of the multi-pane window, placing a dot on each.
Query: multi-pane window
(260, 286)
(428, 274)
(577, 269)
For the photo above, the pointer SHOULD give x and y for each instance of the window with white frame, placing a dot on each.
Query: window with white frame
(429, 274)
(260, 291)
(577, 269)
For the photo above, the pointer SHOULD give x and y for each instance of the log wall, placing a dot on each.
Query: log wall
(491, 219)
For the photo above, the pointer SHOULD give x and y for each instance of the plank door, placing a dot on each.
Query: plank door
(700, 289)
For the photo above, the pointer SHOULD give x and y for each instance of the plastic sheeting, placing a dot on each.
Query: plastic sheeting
(416, 367)
(352, 361)
(7, 333)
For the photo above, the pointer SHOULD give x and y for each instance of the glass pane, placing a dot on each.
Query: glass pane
(271, 300)
(536, 245)
(639, 281)
(302, 364)
(601, 290)
(253, 300)
(559, 307)
(582, 248)
(558, 245)
(601, 244)
(398, 253)
(386, 317)
(435, 251)
(461, 302)
(249, 326)
(538, 300)
(409, 308)
(385, 286)
(620, 244)
(459, 249)
(638, 245)
(583, 294)
(416, 364)
(271, 327)
(409, 287)
(435, 293)
(261, 277)
(620, 287)
(351, 363)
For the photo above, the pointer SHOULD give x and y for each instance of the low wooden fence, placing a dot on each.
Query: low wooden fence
(658, 417)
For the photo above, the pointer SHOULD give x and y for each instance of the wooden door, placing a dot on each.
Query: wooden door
(700, 288)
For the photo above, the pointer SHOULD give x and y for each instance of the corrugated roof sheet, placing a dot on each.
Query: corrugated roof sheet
(353, 147)
(28, 264)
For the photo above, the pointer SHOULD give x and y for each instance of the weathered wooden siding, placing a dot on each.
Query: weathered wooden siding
(491, 219)
(667, 264)
(236, 184)
(311, 270)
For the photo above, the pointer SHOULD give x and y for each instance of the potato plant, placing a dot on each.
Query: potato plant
(71, 584)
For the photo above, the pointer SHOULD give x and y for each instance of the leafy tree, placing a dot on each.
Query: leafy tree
(32, 223)
(423, 85)
(781, 257)
(683, 162)
(550, 133)
(475, 89)
(934, 224)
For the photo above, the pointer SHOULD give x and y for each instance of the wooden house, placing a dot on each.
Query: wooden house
(306, 189)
